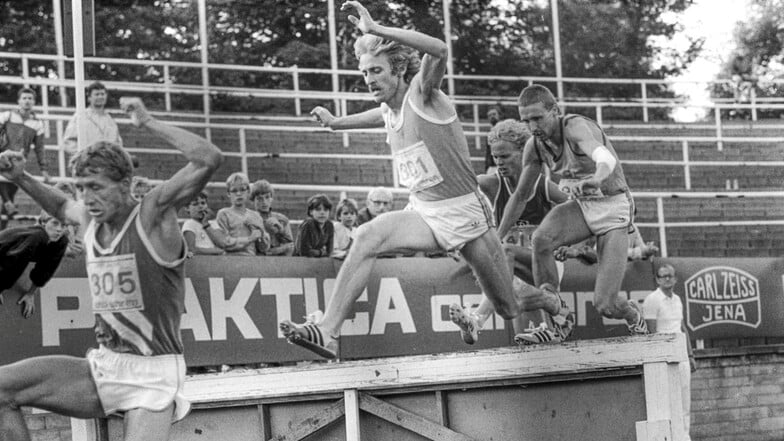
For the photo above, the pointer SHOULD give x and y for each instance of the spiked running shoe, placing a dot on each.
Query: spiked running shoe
(469, 328)
(639, 327)
(538, 336)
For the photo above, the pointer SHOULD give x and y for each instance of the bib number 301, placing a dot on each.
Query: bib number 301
(114, 284)
(416, 168)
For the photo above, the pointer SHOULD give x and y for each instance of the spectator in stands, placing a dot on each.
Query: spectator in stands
(663, 313)
(316, 234)
(98, 124)
(20, 129)
(194, 228)
(140, 186)
(276, 224)
(239, 222)
(74, 231)
(346, 222)
(42, 245)
(494, 114)
(379, 201)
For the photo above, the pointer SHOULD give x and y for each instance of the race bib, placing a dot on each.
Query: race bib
(569, 186)
(416, 169)
(114, 284)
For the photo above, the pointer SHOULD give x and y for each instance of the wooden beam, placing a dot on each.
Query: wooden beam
(264, 421)
(500, 364)
(351, 397)
(314, 423)
(442, 407)
(408, 420)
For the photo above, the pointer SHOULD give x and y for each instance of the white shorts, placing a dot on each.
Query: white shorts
(607, 213)
(128, 381)
(455, 221)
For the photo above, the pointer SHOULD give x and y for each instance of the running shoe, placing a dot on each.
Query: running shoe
(639, 327)
(468, 324)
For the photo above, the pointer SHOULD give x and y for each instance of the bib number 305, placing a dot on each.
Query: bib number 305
(114, 284)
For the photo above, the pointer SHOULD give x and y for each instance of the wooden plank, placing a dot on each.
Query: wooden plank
(409, 420)
(84, 430)
(314, 423)
(264, 421)
(506, 363)
(663, 395)
(351, 399)
(442, 407)
(659, 430)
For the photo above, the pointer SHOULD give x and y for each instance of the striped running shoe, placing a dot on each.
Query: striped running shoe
(539, 335)
(639, 327)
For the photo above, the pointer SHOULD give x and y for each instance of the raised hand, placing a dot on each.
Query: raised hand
(134, 107)
(12, 164)
(322, 116)
(364, 22)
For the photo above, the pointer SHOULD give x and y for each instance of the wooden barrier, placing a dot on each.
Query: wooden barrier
(610, 389)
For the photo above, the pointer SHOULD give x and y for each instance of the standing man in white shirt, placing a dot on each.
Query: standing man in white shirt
(99, 125)
(663, 312)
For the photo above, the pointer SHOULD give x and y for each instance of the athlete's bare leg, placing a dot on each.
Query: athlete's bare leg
(563, 225)
(612, 248)
(58, 384)
(146, 425)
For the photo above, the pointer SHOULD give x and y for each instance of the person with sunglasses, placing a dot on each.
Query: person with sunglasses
(663, 312)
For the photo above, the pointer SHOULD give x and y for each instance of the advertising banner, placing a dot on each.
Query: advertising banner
(234, 304)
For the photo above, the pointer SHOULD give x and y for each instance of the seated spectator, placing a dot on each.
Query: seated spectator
(379, 201)
(346, 221)
(276, 224)
(316, 234)
(194, 228)
(243, 225)
(73, 231)
(43, 245)
(140, 186)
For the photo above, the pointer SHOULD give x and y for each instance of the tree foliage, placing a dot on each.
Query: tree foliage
(599, 38)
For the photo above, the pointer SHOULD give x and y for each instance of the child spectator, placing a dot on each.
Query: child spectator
(194, 229)
(316, 234)
(240, 223)
(44, 245)
(346, 215)
(276, 224)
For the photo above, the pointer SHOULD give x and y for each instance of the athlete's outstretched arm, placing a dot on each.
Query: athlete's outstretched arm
(532, 168)
(434, 50)
(368, 119)
(203, 159)
(592, 146)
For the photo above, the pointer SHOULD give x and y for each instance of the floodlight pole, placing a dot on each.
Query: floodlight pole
(557, 49)
(58, 39)
(78, 57)
(205, 70)
(333, 54)
(450, 69)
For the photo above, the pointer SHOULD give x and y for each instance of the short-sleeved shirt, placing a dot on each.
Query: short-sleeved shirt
(195, 227)
(97, 127)
(667, 311)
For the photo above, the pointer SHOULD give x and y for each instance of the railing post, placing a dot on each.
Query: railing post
(753, 96)
(477, 136)
(644, 89)
(662, 229)
(686, 167)
(243, 152)
(295, 80)
(343, 110)
(167, 87)
(719, 142)
(45, 106)
(26, 70)
(61, 167)
(599, 117)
